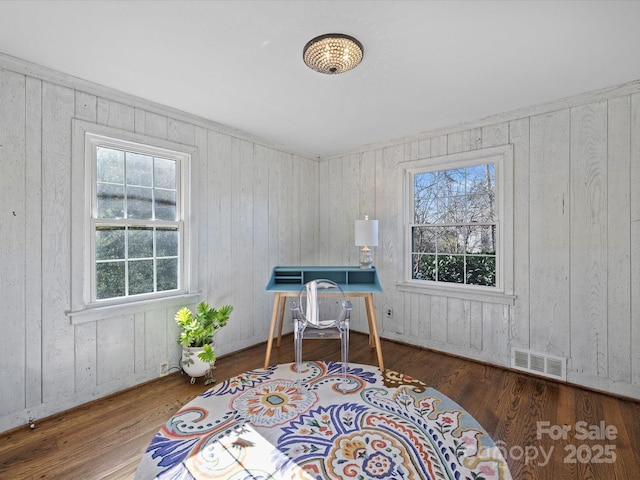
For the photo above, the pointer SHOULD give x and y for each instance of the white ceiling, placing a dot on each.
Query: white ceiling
(427, 64)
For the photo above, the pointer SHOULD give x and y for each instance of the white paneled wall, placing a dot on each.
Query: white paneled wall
(576, 239)
(254, 207)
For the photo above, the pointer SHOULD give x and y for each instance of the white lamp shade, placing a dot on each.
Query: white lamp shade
(366, 233)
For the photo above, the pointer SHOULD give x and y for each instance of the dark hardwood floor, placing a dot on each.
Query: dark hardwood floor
(106, 438)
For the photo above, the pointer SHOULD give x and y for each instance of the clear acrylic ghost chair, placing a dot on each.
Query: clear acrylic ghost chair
(321, 311)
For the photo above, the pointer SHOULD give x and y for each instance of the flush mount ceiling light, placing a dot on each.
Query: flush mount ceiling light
(332, 53)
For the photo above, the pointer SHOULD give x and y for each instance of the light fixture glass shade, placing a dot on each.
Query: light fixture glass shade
(332, 53)
(366, 236)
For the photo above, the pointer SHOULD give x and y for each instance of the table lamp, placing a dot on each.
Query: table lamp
(366, 236)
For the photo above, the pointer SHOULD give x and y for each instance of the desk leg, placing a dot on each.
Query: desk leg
(373, 325)
(372, 342)
(281, 308)
(272, 328)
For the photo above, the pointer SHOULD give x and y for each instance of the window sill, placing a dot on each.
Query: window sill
(461, 293)
(99, 312)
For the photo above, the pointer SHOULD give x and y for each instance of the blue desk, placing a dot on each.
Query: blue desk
(286, 281)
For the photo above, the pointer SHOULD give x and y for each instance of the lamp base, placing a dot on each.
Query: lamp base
(366, 258)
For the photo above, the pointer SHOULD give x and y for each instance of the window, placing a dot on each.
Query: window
(454, 227)
(454, 213)
(137, 220)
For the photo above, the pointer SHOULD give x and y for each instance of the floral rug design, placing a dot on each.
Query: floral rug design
(375, 426)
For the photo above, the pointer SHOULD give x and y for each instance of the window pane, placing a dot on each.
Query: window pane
(140, 277)
(456, 209)
(110, 201)
(453, 181)
(110, 280)
(481, 270)
(109, 243)
(139, 170)
(139, 201)
(476, 178)
(481, 193)
(424, 198)
(446, 211)
(110, 167)
(451, 268)
(164, 173)
(451, 240)
(481, 239)
(166, 243)
(424, 239)
(140, 242)
(481, 177)
(424, 267)
(167, 274)
(165, 204)
(480, 208)
(431, 213)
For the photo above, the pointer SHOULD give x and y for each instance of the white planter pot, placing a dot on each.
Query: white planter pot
(192, 365)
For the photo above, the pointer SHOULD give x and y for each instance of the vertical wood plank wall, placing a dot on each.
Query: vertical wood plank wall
(575, 261)
(256, 208)
(576, 237)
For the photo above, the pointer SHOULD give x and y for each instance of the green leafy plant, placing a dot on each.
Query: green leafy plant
(198, 329)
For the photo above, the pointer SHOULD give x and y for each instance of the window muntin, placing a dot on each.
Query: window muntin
(137, 224)
(454, 227)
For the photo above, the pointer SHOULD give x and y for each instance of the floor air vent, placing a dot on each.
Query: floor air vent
(539, 363)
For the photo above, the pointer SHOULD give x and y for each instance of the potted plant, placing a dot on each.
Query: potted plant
(197, 337)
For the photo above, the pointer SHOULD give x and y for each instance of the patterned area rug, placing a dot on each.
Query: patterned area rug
(259, 425)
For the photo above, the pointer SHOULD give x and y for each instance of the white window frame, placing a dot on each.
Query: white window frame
(502, 158)
(84, 305)
(92, 143)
